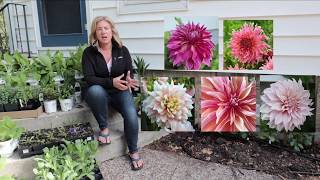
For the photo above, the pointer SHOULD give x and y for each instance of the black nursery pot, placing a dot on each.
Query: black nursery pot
(11, 107)
(1, 108)
(31, 105)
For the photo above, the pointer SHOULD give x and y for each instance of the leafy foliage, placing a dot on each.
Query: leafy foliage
(66, 91)
(9, 129)
(74, 61)
(140, 65)
(50, 92)
(299, 140)
(74, 161)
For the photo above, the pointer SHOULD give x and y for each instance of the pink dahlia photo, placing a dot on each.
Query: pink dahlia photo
(285, 105)
(228, 104)
(268, 65)
(248, 44)
(190, 45)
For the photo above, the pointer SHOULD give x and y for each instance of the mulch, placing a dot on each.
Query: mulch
(250, 153)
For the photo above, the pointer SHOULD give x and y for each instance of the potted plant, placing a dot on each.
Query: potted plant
(28, 97)
(50, 95)
(4, 98)
(65, 97)
(9, 135)
(141, 69)
(12, 104)
(24, 95)
(74, 62)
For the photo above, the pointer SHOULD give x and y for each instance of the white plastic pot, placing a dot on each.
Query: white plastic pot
(50, 106)
(66, 104)
(7, 147)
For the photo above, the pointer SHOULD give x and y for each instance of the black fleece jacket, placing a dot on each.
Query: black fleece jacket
(95, 69)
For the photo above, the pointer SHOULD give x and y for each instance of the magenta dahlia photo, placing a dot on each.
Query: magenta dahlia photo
(228, 104)
(190, 45)
(249, 44)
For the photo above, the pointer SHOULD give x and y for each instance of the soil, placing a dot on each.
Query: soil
(250, 153)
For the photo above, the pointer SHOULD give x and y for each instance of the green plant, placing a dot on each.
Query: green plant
(299, 140)
(66, 91)
(24, 94)
(50, 92)
(4, 95)
(74, 61)
(12, 94)
(74, 161)
(9, 129)
(140, 65)
(267, 133)
(59, 64)
(45, 68)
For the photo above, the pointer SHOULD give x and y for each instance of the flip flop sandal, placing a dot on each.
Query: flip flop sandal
(105, 136)
(132, 163)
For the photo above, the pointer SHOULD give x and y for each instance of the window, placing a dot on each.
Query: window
(62, 23)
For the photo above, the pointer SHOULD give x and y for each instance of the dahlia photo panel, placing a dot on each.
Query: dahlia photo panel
(191, 43)
(168, 103)
(287, 103)
(248, 44)
(228, 104)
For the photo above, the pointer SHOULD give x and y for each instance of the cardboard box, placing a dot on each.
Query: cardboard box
(23, 114)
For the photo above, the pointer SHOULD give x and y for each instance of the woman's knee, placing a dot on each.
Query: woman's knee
(96, 92)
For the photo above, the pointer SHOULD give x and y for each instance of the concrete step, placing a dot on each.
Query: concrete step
(76, 115)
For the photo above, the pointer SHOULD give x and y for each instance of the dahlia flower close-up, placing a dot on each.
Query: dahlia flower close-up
(168, 104)
(286, 104)
(248, 44)
(268, 65)
(228, 104)
(190, 45)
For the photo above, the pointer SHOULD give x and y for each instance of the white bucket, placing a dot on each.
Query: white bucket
(66, 104)
(7, 147)
(50, 106)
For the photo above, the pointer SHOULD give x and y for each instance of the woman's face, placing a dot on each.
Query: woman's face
(104, 32)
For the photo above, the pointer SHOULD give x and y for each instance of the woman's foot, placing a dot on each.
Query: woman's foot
(104, 137)
(136, 161)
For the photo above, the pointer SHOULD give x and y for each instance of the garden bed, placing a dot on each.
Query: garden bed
(253, 154)
(33, 142)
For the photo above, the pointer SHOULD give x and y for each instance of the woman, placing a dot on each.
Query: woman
(107, 68)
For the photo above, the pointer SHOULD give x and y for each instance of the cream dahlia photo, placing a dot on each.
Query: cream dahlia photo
(168, 104)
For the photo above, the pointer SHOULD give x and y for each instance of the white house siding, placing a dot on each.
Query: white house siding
(141, 26)
(296, 29)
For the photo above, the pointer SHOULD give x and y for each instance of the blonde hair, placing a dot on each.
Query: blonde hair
(115, 34)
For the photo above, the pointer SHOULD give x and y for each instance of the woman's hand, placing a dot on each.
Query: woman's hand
(120, 84)
(131, 83)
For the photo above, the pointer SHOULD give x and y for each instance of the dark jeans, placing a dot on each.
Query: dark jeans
(98, 99)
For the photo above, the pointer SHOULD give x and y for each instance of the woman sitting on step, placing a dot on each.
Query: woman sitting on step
(107, 68)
